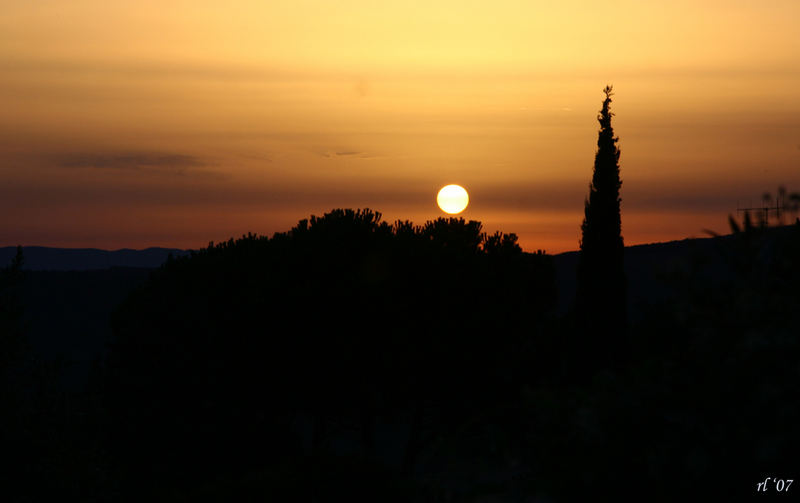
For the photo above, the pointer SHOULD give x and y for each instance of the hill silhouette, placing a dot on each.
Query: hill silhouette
(41, 258)
(68, 311)
(349, 357)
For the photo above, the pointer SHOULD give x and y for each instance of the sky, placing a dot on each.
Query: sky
(130, 124)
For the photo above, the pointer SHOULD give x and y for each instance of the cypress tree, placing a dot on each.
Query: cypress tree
(601, 288)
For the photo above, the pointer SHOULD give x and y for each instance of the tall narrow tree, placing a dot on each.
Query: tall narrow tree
(601, 288)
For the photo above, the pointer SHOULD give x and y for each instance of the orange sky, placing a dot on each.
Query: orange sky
(174, 123)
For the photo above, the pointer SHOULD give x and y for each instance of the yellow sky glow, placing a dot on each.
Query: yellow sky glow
(173, 123)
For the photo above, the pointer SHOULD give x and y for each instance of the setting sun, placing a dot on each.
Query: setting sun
(452, 199)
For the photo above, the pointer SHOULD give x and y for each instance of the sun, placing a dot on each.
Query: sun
(452, 199)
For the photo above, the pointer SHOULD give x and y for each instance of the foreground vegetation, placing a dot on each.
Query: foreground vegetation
(350, 358)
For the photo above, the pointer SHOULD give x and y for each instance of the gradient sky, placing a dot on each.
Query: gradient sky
(174, 123)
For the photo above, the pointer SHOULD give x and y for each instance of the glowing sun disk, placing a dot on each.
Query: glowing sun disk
(452, 199)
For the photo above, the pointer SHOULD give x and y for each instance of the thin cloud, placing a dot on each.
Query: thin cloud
(653, 195)
(353, 154)
(152, 162)
(138, 160)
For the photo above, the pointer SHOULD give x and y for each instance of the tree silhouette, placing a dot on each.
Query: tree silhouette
(601, 288)
(272, 355)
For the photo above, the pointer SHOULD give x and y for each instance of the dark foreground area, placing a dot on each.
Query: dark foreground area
(349, 359)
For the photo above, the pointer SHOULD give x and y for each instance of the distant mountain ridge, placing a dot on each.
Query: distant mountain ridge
(71, 293)
(651, 269)
(645, 265)
(45, 258)
(42, 258)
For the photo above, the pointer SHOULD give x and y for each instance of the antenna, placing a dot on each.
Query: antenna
(778, 209)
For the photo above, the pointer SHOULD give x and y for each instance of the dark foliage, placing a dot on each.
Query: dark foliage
(601, 287)
(51, 440)
(418, 364)
(305, 358)
(707, 405)
(11, 322)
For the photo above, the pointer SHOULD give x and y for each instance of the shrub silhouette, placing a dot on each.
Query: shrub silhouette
(341, 324)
